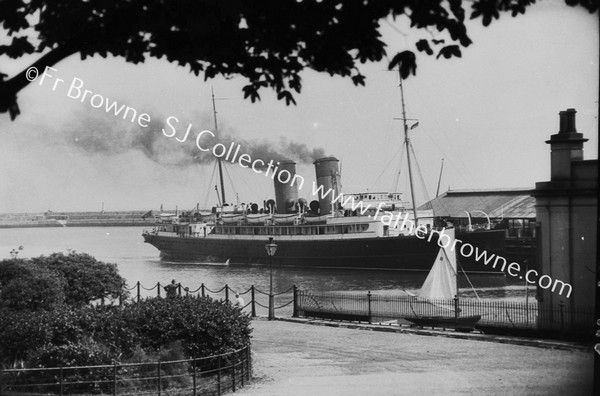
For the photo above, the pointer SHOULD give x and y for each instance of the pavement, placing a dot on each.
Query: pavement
(310, 357)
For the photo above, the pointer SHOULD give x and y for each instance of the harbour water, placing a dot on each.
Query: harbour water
(141, 262)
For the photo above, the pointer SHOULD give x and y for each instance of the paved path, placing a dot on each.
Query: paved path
(301, 359)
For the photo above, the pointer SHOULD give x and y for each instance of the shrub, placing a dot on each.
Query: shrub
(76, 356)
(141, 376)
(20, 333)
(47, 281)
(82, 352)
(25, 333)
(11, 268)
(87, 279)
(46, 320)
(27, 286)
(204, 326)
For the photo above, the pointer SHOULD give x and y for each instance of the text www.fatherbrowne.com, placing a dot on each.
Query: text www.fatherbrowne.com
(482, 256)
(465, 249)
(76, 91)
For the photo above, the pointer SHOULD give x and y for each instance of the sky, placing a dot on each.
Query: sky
(487, 114)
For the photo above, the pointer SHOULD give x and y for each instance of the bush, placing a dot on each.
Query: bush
(48, 281)
(46, 319)
(25, 333)
(20, 334)
(27, 286)
(93, 335)
(10, 269)
(87, 279)
(141, 376)
(83, 352)
(204, 326)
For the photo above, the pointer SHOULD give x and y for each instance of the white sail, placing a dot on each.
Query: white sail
(441, 281)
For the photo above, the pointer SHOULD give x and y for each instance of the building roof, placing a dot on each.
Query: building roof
(499, 203)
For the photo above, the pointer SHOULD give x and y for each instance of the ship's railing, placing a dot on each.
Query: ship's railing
(497, 316)
(270, 220)
(212, 375)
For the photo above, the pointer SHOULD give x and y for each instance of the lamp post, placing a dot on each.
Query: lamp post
(271, 248)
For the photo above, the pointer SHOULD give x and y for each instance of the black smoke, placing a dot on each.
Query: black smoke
(100, 133)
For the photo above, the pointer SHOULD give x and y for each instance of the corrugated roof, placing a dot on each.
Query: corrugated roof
(511, 203)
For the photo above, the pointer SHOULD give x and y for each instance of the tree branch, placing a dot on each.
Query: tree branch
(10, 88)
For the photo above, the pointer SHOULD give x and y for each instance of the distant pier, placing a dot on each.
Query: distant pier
(77, 219)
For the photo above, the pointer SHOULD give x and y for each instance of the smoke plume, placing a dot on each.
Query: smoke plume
(99, 133)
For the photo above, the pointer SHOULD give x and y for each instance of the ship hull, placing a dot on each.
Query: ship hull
(407, 253)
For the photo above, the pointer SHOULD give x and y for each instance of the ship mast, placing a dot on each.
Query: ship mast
(437, 193)
(408, 145)
(219, 158)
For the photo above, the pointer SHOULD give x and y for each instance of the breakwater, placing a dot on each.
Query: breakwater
(76, 219)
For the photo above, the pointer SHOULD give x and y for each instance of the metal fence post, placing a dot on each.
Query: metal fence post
(295, 311)
(369, 298)
(226, 292)
(179, 289)
(562, 316)
(158, 288)
(457, 308)
(139, 294)
(233, 373)
(253, 302)
(114, 378)
(241, 360)
(202, 289)
(194, 377)
(61, 389)
(219, 375)
(159, 379)
(249, 361)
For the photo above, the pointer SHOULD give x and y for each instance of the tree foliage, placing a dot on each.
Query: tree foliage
(87, 279)
(269, 42)
(47, 281)
(27, 286)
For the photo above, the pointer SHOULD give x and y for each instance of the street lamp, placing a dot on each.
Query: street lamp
(271, 249)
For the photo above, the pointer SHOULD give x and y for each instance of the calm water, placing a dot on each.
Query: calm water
(138, 261)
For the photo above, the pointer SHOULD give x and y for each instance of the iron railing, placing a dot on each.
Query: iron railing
(496, 316)
(212, 375)
(257, 298)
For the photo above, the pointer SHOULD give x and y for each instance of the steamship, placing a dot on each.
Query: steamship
(323, 233)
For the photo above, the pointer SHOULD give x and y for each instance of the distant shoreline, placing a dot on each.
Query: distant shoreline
(77, 219)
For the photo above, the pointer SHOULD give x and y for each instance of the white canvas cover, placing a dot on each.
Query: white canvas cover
(441, 281)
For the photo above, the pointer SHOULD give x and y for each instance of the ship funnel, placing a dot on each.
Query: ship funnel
(328, 176)
(286, 188)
